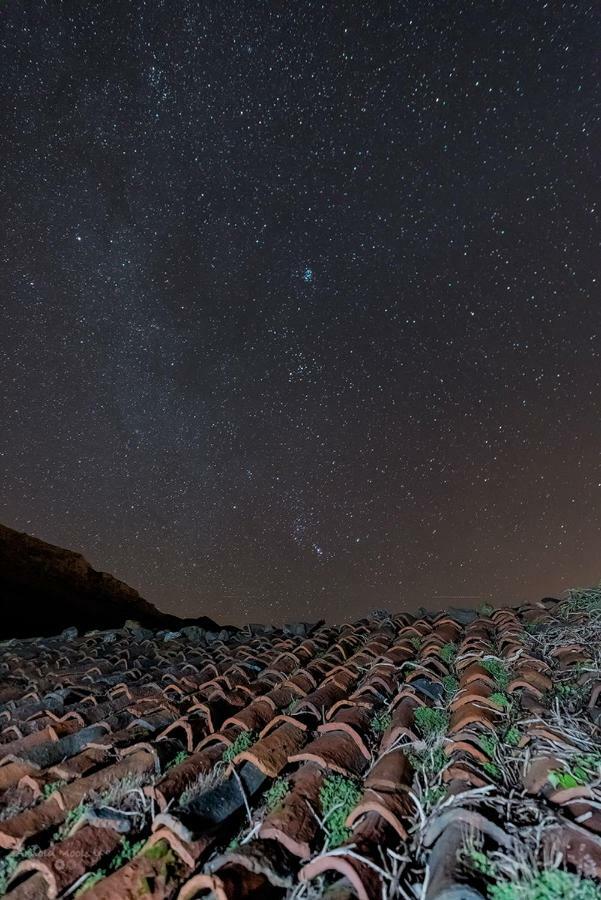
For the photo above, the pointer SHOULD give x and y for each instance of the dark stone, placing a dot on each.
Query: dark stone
(137, 631)
(109, 637)
(53, 752)
(259, 628)
(297, 629)
(69, 634)
(431, 689)
(193, 633)
(224, 800)
(462, 615)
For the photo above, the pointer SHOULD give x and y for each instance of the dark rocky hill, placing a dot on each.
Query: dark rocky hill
(44, 589)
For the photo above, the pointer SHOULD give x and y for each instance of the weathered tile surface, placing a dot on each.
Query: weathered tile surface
(363, 755)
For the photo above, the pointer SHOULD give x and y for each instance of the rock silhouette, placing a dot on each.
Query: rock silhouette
(45, 589)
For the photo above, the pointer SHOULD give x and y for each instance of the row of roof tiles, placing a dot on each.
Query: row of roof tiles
(223, 724)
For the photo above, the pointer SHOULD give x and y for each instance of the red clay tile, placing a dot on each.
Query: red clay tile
(532, 704)
(188, 729)
(391, 772)
(226, 737)
(402, 722)
(282, 695)
(466, 742)
(476, 672)
(293, 823)
(12, 772)
(337, 751)
(474, 692)
(80, 765)
(166, 830)
(399, 654)
(34, 887)
(579, 847)
(63, 863)
(282, 719)
(264, 858)
(253, 717)
(133, 879)
(344, 676)
(215, 886)
(537, 773)
(181, 776)
(366, 881)
(216, 711)
(464, 771)
(472, 714)
(565, 796)
(318, 702)
(303, 680)
(14, 832)
(394, 808)
(355, 721)
(13, 748)
(270, 753)
(552, 735)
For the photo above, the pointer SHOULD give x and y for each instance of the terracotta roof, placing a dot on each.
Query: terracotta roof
(393, 757)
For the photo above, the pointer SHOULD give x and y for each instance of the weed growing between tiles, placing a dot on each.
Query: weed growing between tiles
(431, 721)
(450, 684)
(448, 653)
(582, 600)
(275, 794)
(91, 879)
(497, 669)
(550, 884)
(203, 783)
(177, 760)
(338, 797)
(381, 722)
(521, 877)
(582, 769)
(244, 741)
(49, 789)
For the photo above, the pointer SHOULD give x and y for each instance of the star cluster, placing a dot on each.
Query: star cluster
(301, 301)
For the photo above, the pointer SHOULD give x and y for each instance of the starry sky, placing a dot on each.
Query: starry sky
(300, 301)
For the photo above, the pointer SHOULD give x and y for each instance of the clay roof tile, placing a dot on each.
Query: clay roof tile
(336, 751)
(293, 822)
(271, 752)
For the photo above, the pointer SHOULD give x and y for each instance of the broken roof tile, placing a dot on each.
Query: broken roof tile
(335, 750)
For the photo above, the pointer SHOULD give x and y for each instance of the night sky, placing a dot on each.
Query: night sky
(301, 300)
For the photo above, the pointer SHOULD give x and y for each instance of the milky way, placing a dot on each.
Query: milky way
(301, 301)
